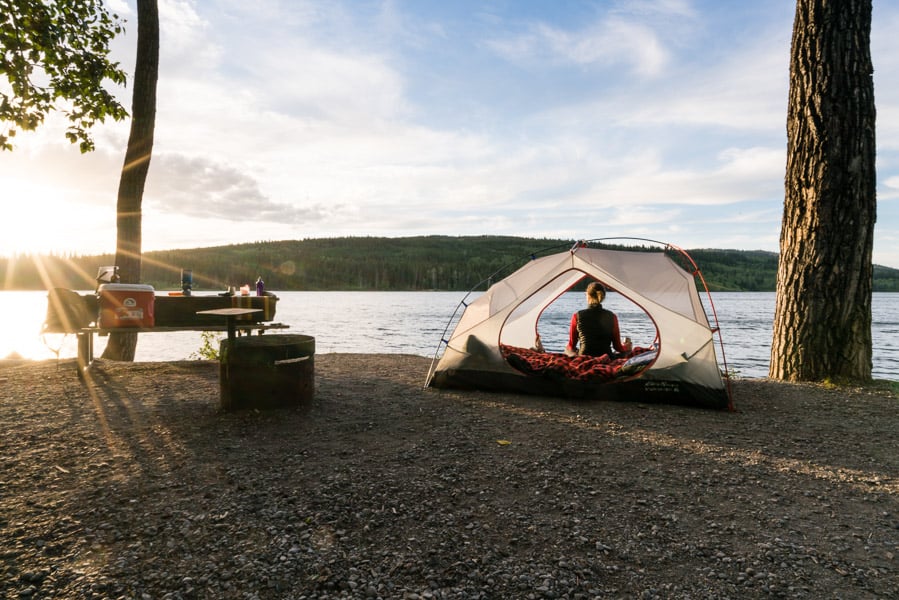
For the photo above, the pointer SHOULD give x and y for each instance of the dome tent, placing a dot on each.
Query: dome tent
(489, 347)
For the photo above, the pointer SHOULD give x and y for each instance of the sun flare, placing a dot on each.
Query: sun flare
(41, 218)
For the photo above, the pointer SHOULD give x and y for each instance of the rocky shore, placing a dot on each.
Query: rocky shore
(137, 486)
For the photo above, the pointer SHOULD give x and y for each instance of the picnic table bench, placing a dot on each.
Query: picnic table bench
(85, 335)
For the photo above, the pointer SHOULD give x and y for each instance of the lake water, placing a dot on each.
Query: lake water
(414, 323)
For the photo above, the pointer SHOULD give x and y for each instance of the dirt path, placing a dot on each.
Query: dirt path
(137, 486)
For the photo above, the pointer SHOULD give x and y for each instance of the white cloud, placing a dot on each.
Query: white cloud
(608, 43)
(347, 88)
(641, 36)
(614, 41)
(186, 48)
(653, 8)
(119, 7)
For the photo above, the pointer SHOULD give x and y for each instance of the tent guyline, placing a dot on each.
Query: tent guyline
(490, 346)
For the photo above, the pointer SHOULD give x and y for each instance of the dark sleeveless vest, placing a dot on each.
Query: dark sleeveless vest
(594, 331)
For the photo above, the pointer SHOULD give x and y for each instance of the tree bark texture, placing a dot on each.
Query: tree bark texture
(822, 320)
(121, 346)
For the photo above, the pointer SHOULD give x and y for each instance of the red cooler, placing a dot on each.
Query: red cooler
(126, 305)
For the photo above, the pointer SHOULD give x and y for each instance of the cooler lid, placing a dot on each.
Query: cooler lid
(126, 287)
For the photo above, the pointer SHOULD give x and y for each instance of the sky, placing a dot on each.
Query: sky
(294, 119)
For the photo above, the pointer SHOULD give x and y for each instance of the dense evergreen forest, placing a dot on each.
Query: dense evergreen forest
(372, 263)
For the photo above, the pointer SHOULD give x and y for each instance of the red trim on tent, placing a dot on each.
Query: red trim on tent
(717, 328)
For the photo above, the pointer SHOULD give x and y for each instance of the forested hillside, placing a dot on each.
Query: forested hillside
(370, 263)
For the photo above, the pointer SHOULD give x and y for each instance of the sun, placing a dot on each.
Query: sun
(41, 218)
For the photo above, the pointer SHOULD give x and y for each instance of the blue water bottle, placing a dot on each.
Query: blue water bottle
(260, 287)
(187, 281)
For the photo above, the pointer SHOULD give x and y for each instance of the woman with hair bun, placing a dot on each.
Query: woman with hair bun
(594, 330)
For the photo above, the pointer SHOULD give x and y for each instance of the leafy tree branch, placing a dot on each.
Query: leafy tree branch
(55, 56)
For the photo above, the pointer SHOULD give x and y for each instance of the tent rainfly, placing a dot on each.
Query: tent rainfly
(490, 347)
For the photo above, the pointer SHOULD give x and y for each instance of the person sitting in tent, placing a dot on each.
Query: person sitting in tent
(594, 330)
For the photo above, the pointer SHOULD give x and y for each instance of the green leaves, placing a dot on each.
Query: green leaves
(55, 56)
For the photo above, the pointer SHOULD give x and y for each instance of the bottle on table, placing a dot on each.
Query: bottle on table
(187, 281)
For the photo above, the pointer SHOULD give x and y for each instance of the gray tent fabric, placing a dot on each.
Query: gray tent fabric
(684, 366)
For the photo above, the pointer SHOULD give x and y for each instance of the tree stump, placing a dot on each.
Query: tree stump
(267, 371)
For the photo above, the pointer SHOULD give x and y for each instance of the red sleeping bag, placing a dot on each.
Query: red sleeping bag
(579, 368)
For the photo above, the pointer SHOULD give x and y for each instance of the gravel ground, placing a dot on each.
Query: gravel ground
(138, 486)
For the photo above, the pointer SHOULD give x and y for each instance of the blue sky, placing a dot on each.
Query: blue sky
(662, 119)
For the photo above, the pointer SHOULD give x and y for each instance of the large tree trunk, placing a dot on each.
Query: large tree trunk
(822, 319)
(121, 346)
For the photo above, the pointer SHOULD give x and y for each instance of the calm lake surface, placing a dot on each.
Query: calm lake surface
(414, 323)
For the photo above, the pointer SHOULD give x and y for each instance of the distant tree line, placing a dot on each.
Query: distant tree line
(370, 263)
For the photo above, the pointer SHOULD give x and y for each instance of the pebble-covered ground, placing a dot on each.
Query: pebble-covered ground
(138, 486)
